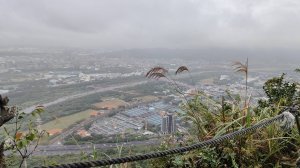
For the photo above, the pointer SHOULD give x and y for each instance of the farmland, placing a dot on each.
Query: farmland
(110, 104)
(66, 121)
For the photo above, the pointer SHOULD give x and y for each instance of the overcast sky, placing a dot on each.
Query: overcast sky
(123, 24)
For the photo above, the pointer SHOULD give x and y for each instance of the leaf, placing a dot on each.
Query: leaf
(248, 117)
(38, 110)
(21, 144)
(30, 137)
(18, 136)
(234, 164)
(229, 124)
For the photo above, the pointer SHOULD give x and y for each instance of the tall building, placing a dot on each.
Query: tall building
(168, 124)
(164, 125)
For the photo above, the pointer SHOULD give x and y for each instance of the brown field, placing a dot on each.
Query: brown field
(110, 104)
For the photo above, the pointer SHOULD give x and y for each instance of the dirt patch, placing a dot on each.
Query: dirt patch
(109, 104)
(146, 99)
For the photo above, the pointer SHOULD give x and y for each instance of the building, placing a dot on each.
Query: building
(168, 124)
(83, 133)
(95, 114)
(84, 77)
(54, 132)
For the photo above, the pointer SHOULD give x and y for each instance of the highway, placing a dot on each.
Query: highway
(75, 96)
(54, 149)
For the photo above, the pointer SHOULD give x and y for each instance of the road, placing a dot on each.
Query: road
(76, 149)
(71, 97)
(68, 132)
(75, 96)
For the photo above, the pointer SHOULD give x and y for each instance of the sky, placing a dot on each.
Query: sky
(127, 24)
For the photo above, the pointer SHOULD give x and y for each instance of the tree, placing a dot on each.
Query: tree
(6, 115)
(279, 92)
(21, 138)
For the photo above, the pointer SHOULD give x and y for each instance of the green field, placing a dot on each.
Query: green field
(66, 121)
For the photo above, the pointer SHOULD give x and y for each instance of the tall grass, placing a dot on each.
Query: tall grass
(269, 147)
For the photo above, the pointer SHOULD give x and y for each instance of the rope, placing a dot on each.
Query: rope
(213, 141)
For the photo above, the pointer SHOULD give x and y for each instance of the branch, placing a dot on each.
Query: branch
(41, 134)
(6, 113)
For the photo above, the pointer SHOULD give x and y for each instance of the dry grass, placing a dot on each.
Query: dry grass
(110, 104)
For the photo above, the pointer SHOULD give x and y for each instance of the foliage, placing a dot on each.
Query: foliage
(20, 137)
(269, 147)
(24, 137)
(279, 92)
(243, 68)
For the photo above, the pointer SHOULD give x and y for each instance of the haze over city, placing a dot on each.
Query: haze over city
(90, 80)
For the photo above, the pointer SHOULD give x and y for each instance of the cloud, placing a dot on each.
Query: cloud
(119, 24)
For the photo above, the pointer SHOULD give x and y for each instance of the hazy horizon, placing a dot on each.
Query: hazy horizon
(128, 24)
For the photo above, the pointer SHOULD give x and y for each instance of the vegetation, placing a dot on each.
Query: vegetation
(280, 94)
(270, 147)
(148, 88)
(80, 104)
(66, 121)
(37, 92)
(17, 141)
(243, 68)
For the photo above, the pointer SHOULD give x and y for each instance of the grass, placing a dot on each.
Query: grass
(147, 99)
(110, 104)
(66, 121)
